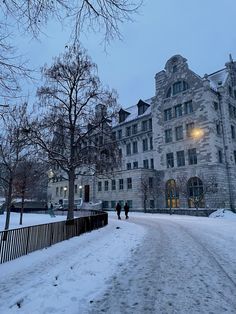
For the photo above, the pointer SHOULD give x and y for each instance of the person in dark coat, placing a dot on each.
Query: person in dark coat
(126, 208)
(118, 210)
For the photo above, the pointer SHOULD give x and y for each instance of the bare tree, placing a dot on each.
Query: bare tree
(98, 15)
(12, 67)
(27, 181)
(148, 188)
(12, 149)
(73, 130)
(196, 189)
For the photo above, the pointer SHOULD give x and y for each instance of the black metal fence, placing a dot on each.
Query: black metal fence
(18, 242)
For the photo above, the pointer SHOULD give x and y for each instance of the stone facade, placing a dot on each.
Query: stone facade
(187, 129)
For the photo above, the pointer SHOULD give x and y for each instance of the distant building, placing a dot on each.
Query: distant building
(187, 129)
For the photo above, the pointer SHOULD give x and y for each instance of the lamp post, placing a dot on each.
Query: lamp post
(65, 190)
(80, 191)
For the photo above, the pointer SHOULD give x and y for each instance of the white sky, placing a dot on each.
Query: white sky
(203, 31)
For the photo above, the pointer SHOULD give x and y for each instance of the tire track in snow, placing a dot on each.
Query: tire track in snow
(171, 272)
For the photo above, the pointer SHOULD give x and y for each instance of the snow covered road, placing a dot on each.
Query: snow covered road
(185, 265)
(148, 264)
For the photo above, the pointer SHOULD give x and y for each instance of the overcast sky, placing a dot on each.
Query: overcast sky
(203, 31)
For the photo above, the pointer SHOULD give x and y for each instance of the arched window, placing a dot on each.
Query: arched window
(195, 192)
(172, 194)
(177, 87)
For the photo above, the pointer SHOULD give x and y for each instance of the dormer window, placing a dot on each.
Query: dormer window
(177, 88)
(123, 115)
(142, 107)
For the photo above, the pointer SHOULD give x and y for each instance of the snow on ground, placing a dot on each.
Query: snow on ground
(149, 264)
(223, 213)
(66, 277)
(28, 220)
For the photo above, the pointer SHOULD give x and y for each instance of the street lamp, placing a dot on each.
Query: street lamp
(197, 133)
(80, 191)
(65, 190)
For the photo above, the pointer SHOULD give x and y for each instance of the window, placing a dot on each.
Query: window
(61, 191)
(130, 203)
(135, 165)
(150, 182)
(145, 164)
(170, 160)
(235, 156)
(99, 186)
(128, 131)
(120, 152)
(76, 188)
(188, 107)
(128, 149)
(150, 124)
(168, 135)
(233, 131)
(145, 144)
(128, 166)
(218, 128)
(172, 194)
(192, 156)
(152, 163)
(106, 185)
(195, 192)
(220, 159)
(129, 183)
(180, 158)
(151, 144)
(178, 111)
(57, 191)
(179, 87)
(114, 135)
(119, 134)
(134, 129)
(121, 184)
(144, 125)
(135, 147)
(179, 133)
(113, 185)
(167, 114)
(189, 129)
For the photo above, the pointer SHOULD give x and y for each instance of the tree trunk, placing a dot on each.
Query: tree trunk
(71, 195)
(8, 204)
(22, 207)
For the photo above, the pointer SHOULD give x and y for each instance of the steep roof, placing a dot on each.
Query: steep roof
(133, 111)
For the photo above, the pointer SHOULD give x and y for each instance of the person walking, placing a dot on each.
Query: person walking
(118, 210)
(126, 208)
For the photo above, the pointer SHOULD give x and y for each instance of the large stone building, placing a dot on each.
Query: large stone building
(184, 135)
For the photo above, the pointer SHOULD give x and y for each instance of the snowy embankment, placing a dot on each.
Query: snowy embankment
(28, 220)
(68, 276)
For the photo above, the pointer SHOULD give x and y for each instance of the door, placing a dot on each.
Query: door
(86, 193)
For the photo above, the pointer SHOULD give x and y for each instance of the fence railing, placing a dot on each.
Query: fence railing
(18, 242)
